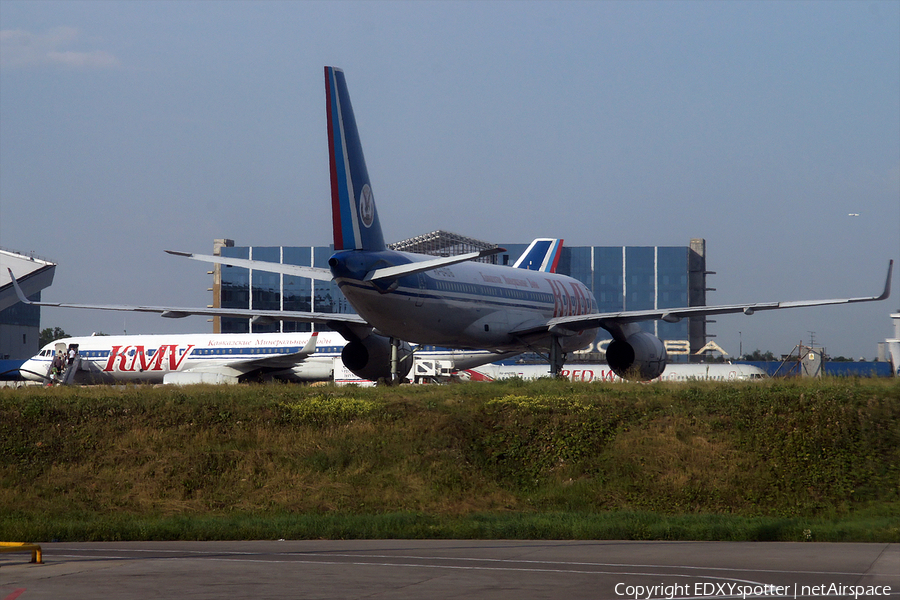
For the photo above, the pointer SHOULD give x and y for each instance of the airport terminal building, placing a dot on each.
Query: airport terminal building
(621, 278)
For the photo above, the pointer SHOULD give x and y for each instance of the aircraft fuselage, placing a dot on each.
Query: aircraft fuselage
(470, 304)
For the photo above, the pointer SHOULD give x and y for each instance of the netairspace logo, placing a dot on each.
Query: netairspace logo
(744, 591)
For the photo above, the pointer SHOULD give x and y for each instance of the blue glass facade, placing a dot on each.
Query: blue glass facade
(274, 291)
(234, 291)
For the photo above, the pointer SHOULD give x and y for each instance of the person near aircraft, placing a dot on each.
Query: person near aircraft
(449, 301)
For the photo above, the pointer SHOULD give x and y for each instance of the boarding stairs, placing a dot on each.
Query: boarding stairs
(68, 377)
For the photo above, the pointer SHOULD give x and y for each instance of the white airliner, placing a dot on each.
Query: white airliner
(450, 301)
(602, 372)
(214, 358)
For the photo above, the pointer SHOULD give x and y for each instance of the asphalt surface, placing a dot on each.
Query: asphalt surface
(425, 569)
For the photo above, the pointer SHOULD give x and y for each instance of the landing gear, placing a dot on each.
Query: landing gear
(557, 356)
(395, 361)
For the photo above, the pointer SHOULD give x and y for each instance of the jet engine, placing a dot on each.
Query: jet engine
(642, 356)
(370, 358)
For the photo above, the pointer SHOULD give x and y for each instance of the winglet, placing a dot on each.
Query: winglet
(887, 282)
(16, 287)
(310, 347)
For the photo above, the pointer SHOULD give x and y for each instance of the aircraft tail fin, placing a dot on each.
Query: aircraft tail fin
(355, 219)
(541, 255)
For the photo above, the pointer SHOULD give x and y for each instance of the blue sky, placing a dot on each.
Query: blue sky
(128, 128)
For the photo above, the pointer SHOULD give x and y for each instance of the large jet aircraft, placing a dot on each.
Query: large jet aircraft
(452, 301)
(212, 358)
(601, 372)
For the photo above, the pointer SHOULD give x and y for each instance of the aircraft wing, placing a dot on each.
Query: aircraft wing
(177, 312)
(278, 361)
(262, 265)
(613, 321)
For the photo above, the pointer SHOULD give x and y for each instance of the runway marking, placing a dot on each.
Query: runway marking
(636, 565)
(427, 566)
(15, 594)
(449, 558)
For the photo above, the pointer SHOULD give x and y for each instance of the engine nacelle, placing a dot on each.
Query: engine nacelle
(642, 357)
(371, 358)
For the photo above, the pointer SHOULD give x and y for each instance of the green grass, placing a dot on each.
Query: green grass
(781, 460)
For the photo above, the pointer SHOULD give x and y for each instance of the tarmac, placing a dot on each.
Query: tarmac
(449, 569)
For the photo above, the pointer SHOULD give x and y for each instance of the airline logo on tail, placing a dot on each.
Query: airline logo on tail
(542, 255)
(354, 216)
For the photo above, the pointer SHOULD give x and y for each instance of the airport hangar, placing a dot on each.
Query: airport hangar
(621, 278)
(20, 324)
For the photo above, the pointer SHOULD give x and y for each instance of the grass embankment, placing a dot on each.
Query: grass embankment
(781, 460)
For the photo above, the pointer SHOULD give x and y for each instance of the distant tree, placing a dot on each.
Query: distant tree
(760, 355)
(840, 359)
(48, 335)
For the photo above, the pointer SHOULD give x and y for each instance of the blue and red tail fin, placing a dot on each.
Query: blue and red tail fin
(541, 255)
(355, 219)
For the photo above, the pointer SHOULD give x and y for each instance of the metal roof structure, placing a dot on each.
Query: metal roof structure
(33, 275)
(444, 243)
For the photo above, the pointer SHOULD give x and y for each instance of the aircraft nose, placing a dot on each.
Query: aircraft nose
(30, 370)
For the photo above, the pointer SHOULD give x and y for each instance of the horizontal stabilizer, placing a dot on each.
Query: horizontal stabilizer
(427, 265)
(261, 265)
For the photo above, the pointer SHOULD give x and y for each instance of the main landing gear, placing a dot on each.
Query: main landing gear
(395, 361)
(557, 356)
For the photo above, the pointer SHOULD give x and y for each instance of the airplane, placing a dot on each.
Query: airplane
(602, 372)
(213, 358)
(450, 301)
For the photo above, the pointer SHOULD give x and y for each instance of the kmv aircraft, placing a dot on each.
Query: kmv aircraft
(214, 358)
(452, 301)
